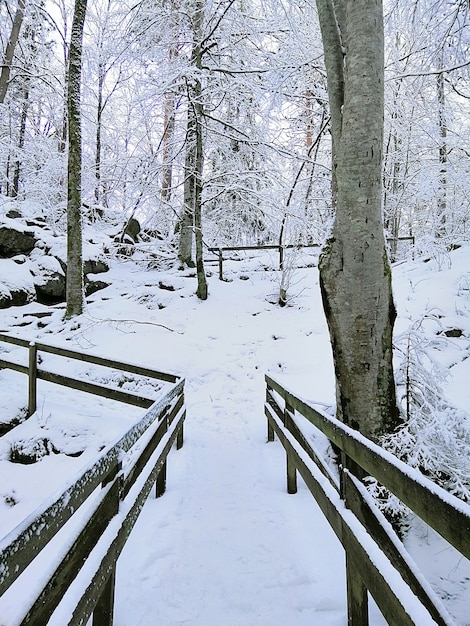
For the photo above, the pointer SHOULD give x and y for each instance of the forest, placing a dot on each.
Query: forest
(138, 139)
(188, 125)
(249, 79)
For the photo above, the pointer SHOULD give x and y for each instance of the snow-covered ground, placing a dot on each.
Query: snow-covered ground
(226, 544)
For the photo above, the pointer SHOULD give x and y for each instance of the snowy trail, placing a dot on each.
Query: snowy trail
(226, 544)
(219, 542)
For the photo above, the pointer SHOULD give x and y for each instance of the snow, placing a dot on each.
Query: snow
(225, 544)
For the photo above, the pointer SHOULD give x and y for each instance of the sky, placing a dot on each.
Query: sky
(225, 544)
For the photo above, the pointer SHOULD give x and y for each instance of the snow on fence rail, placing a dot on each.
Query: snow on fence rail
(34, 372)
(376, 560)
(80, 578)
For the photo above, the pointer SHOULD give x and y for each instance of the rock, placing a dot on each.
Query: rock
(15, 240)
(16, 287)
(92, 285)
(49, 280)
(13, 214)
(453, 332)
(95, 266)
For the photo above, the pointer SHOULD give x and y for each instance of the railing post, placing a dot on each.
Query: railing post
(103, 613)
(160, 483)
(357, 598)
(268, 401)
(291, 471)
(221, 265)
(358, 611)
(180, 436)
(32, 378)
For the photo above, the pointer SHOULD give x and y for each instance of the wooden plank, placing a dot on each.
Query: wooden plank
(316, 458)
(68, 568)
(16, 367)
(17, 341)
(290, 465)
(357, 598)
(378, 527)
(375, 568)
(133, 472)
(32, 378)
(157, 408)
(109, 363)
(90, 595)
(127, 397)
(448, 515)
(92, 358)
(23, 543)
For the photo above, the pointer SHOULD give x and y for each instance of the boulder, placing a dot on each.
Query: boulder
(15, 240)
(16, 287)
(49, 280)
(94, 284)
(95, 266)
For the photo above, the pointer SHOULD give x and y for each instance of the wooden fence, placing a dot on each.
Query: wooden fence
(376, 560)
(82, 564)
(392, 242)
(280, 249)
(35, 372)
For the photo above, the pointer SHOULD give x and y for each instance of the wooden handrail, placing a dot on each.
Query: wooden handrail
(441, 510)
(160, 426)
(34, 373)
(280, 248)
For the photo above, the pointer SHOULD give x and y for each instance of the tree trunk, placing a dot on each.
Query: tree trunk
(442, 189)
(21, 137)
(185, 250)
(10, 49)
(355, 275)
(99, 115)
(74, 289)
(167, 146)
(192, 212)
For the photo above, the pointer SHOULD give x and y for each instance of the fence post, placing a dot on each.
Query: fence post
(270, 428)
(160, 483)
(291, 471)
(32, 378)
(358, 610)
(103, 613)
(357, 598)
(180, 435)
(221, 265)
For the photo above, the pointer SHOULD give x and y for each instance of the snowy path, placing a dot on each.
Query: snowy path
(226, 544)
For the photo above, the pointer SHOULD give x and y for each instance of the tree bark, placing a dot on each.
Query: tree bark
(442, 188)
(192, 211)
(10, 49)
(21, 137)
(355, 276)
(74, 287)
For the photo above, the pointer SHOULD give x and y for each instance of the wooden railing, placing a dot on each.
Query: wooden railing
(35, 372)
(81, 561)
(220, 252)
(376, 560)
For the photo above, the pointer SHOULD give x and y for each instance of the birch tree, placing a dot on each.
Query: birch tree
(354, 270)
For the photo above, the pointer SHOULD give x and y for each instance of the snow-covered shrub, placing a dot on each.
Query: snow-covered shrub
(435, 436)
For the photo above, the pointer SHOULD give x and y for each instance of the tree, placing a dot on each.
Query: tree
(194, 158)
(10, 49)
(355, 275)
(74, 289)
